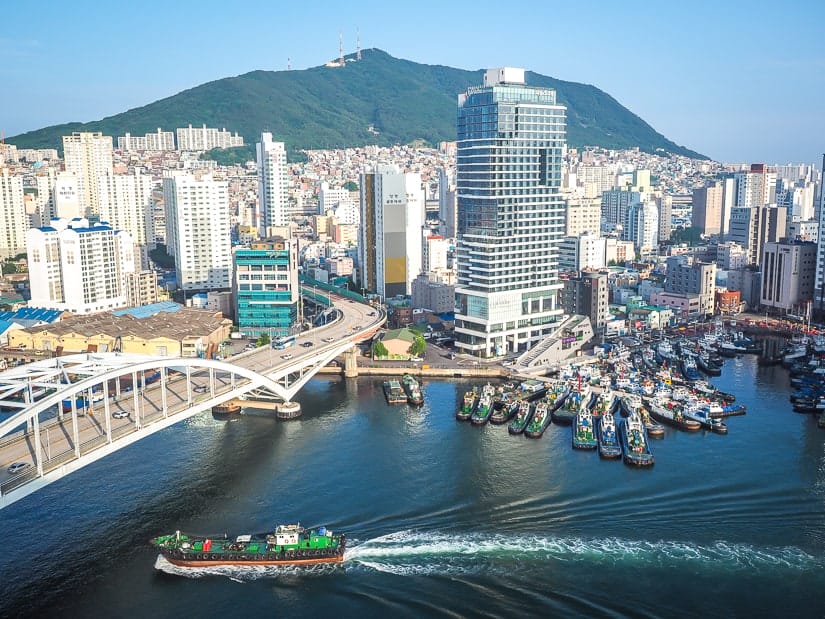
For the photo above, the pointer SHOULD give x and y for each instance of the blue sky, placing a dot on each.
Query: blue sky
(738, 81)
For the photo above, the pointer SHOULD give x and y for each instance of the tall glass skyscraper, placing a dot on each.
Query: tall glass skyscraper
(511, 139)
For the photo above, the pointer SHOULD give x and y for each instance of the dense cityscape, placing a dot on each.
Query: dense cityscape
(576, 282)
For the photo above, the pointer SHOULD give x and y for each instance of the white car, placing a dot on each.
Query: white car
(120, 414)
(286, 356)
(19, 467)
(329, 339)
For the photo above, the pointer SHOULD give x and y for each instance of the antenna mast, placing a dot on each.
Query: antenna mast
(289, 64)
(357, 45)
(341, 48)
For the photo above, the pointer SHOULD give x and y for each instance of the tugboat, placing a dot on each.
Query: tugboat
(576, 399)
(671, 413)
(584, 435)
(605, 403)
(412, 389)
(226, 409)
(481, 414)
(540, 421)
(467, 406)
(394, 392)
(631, 403)
(689, 370)
(557, 394)
(505, 407)
(521, 419)
(634, 440)
(609, 446)
(701, 413)
(288, 544)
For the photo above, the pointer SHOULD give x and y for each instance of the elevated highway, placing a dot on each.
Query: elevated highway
(66, 412)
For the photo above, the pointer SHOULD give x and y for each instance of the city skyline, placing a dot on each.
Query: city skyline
(720, 79)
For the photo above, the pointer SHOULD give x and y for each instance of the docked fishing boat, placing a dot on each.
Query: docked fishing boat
(605, 403)
(608, 438)
(505, 407)
(412, 389)
(468, 405)
(481, 414)
(631, 403)
(634, 442)
(576, 399)
(522, 418)
(584, 432)
(700, 412)
(541, 419)
(670, 412)
(689, 370)
(394, 392)
(288, 544)
(557, 393)
(704, 363)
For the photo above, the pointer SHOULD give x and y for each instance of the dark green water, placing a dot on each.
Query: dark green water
(444, 519)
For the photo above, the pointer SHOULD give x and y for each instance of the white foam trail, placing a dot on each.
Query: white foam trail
(408, 552)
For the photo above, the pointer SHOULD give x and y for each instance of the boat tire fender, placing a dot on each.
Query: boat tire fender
(233, 557)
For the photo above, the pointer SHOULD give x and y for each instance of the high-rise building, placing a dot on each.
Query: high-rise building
(788, 274)
(579, 253)
(447, 203)
(392, 216)
(686, 276)
(754, 226)
(126, 204)
(14, 223)
(272, 185)
(616, 204)
(87, 156)
(643, 226)
(707, 208)
(206, 138)
(511, 139)
(141, 288)
(265, 287)
(197, 230)
(665, 206)
(728, 202)
(588, 295)
(582, 215)
(756, 187)
(78, 267)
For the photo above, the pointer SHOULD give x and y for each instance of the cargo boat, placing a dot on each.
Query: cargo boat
(288, 544)
(634, 441)
(412, 389)
(522, 418)
(394, 392)
(468, 405)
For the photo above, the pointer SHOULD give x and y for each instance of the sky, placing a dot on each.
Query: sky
(737, 81)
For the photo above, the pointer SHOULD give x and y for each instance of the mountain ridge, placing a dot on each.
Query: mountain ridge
(377, 100)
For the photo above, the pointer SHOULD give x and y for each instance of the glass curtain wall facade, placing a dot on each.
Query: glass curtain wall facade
(266, 288)
(511, 139)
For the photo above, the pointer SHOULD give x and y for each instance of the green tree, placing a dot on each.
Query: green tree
(418, 346)
(351, 186)
(9, 267)
(263, 340)
(379, 350)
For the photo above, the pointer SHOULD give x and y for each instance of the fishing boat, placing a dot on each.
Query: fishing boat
(704, 364)
(689, 370)
(541, 419)
(634, 442)
(288, 544)
(670, 412)
(557, 393)
(522, 418)
(584, 433)
(467, 406)
(608, 438)
(700, 412)
(605, 403)
(481, 414)
(576, 399)
(394, 392)
(631, 403)
(412, 390)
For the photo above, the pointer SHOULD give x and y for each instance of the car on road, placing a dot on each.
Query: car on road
(250, 347)
(199, 388)
(18, 467)
(329, 339)
(416, 359)
(286, 356)
(120, 414)
(306, 344)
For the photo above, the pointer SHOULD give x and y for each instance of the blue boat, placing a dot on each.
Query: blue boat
(634, 442)
(609, 446)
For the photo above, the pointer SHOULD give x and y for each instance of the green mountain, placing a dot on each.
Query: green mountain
(377, 100)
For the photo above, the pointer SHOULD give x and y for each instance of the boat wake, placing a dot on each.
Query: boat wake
(413, 552)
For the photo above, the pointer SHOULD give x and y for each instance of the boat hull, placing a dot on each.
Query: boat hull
(192, 562)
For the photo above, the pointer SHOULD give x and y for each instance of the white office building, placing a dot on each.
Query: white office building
(78, 267)
(272, 185)
(13, 219)
(197, 230)
(87, 156)
(584, 252)
(643, 226)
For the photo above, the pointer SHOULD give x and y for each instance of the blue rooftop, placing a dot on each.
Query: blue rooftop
(32, 313)
(147, 311)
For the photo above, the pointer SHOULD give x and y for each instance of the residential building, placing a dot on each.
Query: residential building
(141, 288)
(126, 204)
(78, 267)
(665, 206)
(511, 138)
(330, 197)
(158, 141)
(756, 187)
(616, 204)
(206, 138)
(392, 215)
(582, 215)
(754, 226)
(687, 276)
(272, 185)
(436, 296)
(617, 251)
(14, 223)
(788, 274)
(731, 256)
(197, 230)
(728, 203)
(265, 286)
(447, 203)
(436, 249)
(588, 295)
(580, 253)
(707, 208)
(87, 156)
(643, 226)
(803, 231)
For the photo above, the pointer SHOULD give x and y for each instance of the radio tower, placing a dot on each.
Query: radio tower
(289, 64)
(341, 48)
(357, 45)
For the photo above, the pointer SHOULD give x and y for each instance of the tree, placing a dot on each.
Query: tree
(351, 186)
(263, 339)
(9, 267)
(418, 346)
(379, 350)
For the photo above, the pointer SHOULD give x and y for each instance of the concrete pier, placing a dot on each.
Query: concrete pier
(351, 363)
(288, 410)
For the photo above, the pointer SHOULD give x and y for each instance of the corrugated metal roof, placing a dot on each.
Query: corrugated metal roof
(146, 311)
(32, 314)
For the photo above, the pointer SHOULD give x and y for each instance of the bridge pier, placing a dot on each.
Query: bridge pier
(288, 410)
(350, 363)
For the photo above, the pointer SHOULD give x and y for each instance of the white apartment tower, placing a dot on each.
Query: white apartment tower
(87, 156)
(643, 226)
(78, 267)
(197, 230)
(392, 215)
(13, 219)
(511, 139)
(272, 185)
(126, 204)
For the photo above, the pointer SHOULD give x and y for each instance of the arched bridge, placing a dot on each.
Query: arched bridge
(70, 411)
